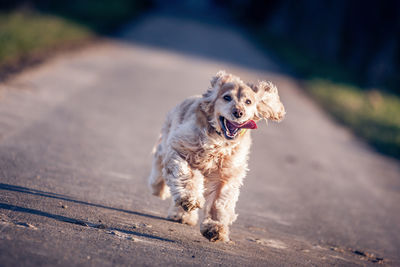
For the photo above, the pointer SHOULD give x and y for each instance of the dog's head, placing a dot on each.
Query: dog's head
(233, 106)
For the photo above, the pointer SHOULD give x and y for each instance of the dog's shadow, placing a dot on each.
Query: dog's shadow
(61, 218)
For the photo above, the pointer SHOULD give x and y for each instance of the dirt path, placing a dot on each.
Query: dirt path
(75, 141)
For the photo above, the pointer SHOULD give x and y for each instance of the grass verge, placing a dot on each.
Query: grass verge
(25, 35)
(30, 34)
(372, 114)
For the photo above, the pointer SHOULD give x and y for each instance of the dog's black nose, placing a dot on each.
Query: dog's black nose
(237, 113)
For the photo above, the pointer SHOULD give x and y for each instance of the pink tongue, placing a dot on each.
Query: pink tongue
(249, 125)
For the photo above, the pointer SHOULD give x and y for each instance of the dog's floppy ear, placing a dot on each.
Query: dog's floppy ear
(269, 106)
(216, 82)
(219, 78)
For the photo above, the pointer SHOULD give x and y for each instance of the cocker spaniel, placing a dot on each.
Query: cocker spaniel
(201, 156)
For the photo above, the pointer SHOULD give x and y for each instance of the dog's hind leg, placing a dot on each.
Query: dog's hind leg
(157, 183)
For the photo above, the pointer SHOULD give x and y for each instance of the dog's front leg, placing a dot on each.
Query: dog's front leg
(219, 212)
(186, 184)
(178, 214)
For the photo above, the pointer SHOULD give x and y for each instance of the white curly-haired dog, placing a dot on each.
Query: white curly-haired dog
(201, 156)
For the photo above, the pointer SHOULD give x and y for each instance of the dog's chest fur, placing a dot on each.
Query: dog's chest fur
(212, 156)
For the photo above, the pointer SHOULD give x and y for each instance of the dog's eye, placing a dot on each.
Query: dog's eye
(248, 102)
(227, 98)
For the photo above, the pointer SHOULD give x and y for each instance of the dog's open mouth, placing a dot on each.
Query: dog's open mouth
(231, 129)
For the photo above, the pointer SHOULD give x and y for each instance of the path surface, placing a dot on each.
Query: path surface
(75, 141)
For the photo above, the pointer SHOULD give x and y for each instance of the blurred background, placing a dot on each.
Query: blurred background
(346, 54)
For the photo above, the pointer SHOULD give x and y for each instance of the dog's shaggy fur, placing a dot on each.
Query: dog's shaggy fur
(201, 156)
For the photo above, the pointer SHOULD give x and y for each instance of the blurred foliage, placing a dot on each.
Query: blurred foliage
(24, 33)
(100, 15)
(362, 37)
(306, 65)
(30, 29)
(372, 115)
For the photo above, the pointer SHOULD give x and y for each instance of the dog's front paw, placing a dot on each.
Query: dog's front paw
(189, 203)
(214, 231)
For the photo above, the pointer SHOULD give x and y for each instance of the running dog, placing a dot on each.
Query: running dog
(201, 156)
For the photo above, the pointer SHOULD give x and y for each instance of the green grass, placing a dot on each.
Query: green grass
(28, 35)
(373, 115)
(24, 34)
